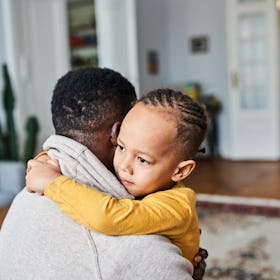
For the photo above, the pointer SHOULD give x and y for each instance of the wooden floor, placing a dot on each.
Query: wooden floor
(248, 179)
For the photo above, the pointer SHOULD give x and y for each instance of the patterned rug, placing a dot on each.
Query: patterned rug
(241, 236)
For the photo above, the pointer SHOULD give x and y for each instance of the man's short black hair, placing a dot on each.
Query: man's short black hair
(85, 98)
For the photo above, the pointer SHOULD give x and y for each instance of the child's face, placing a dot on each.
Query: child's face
(145, 158)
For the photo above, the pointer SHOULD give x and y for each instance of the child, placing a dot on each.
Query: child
(158, 139)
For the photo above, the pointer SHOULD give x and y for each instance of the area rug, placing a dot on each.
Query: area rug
(241, 236)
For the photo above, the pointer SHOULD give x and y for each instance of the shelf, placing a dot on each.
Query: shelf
(82, 28)
(82, 40)
(84, 51)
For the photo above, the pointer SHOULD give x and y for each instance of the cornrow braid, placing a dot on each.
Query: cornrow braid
(190, 116)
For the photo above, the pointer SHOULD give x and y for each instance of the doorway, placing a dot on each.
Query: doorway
(253, 82)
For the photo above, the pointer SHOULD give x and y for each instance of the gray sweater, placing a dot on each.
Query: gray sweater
(37, 241)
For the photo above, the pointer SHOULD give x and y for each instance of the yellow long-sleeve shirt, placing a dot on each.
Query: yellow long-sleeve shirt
(171, 213)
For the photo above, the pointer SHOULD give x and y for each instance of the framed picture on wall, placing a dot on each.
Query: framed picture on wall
(199, 44)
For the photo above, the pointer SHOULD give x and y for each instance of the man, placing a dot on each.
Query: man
(37, 241)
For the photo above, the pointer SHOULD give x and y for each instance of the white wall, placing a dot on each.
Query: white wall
(152, 26)
(167, 26)
(189, 18)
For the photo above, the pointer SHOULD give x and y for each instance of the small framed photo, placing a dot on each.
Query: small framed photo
(199, 44)
(153, 62)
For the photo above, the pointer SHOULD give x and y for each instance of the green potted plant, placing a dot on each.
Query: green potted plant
(12, 166)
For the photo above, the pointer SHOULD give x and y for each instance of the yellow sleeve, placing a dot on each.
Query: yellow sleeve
(170, 213)
(162, 212)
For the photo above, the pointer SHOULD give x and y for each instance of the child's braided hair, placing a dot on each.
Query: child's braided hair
(190, 116)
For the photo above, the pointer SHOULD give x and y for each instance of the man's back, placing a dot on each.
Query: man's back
(37, 241)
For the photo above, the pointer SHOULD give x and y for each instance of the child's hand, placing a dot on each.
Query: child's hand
(41, 174)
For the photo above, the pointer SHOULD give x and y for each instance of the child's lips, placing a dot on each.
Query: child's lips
(125, 182)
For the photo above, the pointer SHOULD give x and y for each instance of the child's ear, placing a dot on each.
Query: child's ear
(115, 132)
(183, 170)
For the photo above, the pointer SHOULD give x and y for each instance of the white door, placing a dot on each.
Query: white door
(37, 54)
(253, 53)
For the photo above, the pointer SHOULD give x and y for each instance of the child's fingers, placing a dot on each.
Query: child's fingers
(36, 163)
(32, 163)
(43, 158)
(27, 183)
(54, 162)
(29, 190)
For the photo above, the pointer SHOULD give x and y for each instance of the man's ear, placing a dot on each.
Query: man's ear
(115, 132)
(183, 170)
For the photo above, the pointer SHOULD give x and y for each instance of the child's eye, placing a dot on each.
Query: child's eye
(120, 147)
(142, 160)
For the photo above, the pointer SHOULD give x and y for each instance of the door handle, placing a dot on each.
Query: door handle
(234, 80)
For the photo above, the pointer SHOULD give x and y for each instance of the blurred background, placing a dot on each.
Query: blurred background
(229, 48)
(223, 53)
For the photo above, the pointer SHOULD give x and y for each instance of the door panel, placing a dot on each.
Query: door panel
(253, 79)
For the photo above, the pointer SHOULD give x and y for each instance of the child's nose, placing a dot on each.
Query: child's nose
(126, 164)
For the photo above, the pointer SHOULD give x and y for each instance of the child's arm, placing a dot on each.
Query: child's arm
(163, 212)
(170, 213)
(156, 213)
